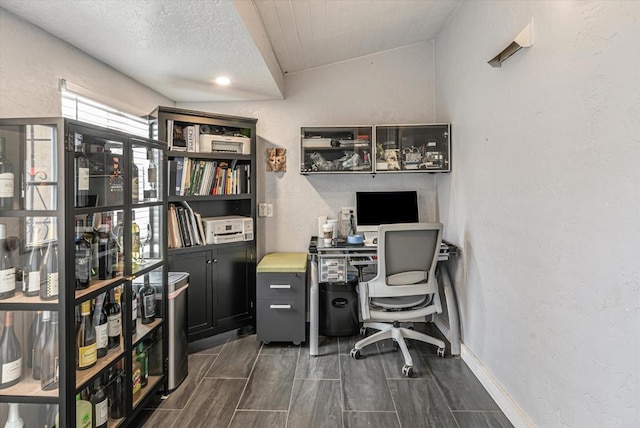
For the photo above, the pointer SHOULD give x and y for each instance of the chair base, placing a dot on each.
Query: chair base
(398, 334)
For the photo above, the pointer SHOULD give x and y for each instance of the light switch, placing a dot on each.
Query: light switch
(262, 209)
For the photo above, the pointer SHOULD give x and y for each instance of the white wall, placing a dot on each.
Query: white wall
(545, 200)
(32, 62)
(392, 87)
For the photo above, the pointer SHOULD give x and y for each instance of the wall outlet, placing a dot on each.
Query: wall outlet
(269, 210)
(262, 209)
(345, 213)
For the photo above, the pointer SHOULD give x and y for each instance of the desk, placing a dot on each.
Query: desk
(336, 259)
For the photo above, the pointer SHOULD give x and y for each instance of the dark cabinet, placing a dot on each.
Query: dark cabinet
(221, 287)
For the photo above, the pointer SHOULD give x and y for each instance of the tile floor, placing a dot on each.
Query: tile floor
(234, 381)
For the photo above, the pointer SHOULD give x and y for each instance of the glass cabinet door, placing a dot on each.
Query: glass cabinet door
(146, 171)
(418, 148)
(336, 149)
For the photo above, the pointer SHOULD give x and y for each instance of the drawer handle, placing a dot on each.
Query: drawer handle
(280, 286)
(280, 306)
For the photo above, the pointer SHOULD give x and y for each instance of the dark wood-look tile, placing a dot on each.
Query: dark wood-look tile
(393, 361)
(419, 403)
(156, 418)
(258, 419)
(462, 390)
(482, 419)
(212, 403)
(198, 366)
(346, 344)
(270, 385)
(371, 420)
(280, 348)
(323, 366)
(236, 358)
(315, 403)
(364, 386)
(430, 329)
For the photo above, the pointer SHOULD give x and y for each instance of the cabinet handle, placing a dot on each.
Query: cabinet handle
(280, 286)
(215, 260)
(280, 306)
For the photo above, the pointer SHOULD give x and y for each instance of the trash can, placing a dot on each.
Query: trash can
(178, 283)
(339, 307)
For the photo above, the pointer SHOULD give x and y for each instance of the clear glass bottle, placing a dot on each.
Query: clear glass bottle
(39, 344)
(81, 166)
(7, 269)
(6, 178)
(13, 419)
(10, 354)
(51, 358)
(49, 267)
(31, 272)
(135, 184)
(135, 240)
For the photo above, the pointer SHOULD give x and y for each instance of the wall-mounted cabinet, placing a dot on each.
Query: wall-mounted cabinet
(379, 149)
(212, 170)
(77, 226)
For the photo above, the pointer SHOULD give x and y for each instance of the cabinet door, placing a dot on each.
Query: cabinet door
(200, 297)
(231, 284)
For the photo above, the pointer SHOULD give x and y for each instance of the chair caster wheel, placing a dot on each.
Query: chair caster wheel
(407, 371)
(297, 343)
(355, 353)
(440, 352)
(363, 331)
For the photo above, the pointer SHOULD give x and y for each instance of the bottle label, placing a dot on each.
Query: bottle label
(134, 308)
(7, 280)
(152, 175)
(136, 381)
(6, 185)
(149, 306)
(87, 355)
(136, 189)
(102, 412)
(11, 370)
(83, 178)
(113, 322)
(102, 338)
(52, 284)
(33, 281)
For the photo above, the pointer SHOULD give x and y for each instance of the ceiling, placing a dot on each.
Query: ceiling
(179, 47)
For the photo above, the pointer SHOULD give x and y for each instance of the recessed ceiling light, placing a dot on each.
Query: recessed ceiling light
(222, 80)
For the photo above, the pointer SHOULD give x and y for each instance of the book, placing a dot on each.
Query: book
(201, 228)
(192, 225)
(179, 167)
(184, 228)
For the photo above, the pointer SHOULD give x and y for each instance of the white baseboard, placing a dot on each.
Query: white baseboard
(510, 408)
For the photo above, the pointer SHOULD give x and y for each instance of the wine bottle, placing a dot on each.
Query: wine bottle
(34, 332)
(113, 248)
(7, 269)
(100, 404)
(31, 273)
(144, 364)
(101, 324)
(47, 415)
(147, 302)
(49, 268)
(86, 339)
(81, 165)
(119, 232)
(82, 258)
(113, 320)
(10, 354)
(135, 184)
(116, 392)
(152, 176)
(6, 177)
(83, 413)
(51, 357)
(14, 420)
(105, 265)
(134, 312)
(91, 236)
(135, 240)
(115, 183)
(39, 344)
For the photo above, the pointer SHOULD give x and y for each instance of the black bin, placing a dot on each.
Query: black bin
(339, 307)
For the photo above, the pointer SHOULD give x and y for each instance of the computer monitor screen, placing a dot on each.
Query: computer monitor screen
(376, 208)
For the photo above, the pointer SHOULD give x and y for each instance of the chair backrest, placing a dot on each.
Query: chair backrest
(407, 259)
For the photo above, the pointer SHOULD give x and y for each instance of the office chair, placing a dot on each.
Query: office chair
(405, 288)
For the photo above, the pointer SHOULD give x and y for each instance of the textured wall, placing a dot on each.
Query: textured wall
(32, 62)
(545, 199)
(393, 87)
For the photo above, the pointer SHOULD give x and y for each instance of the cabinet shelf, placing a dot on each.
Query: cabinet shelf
(238, 197)
(98, 286)
(209, 155)
(83, 377)
(153, 381)
(143, 330)
(34, 302)
(28, 387)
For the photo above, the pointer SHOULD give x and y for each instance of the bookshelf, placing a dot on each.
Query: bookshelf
(211, 165)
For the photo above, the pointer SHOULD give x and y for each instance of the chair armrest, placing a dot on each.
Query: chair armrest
(363, 298)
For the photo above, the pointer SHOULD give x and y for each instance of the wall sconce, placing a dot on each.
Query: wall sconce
(522, 40)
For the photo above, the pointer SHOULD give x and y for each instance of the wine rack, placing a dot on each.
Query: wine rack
(83, 212)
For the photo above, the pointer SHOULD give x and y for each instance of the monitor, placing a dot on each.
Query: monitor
(376, 208)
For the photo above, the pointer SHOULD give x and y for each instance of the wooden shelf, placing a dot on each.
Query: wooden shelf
(98, 285)
(144, 329)
(84, 376)
(208, 198)
(22, 299)
(152, 382)
(113, 423)
(29, 387)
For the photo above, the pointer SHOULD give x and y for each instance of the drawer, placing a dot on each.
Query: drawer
(281, 320)
(332, 269)
(291, 285)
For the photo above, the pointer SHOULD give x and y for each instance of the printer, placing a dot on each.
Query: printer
(225, 229)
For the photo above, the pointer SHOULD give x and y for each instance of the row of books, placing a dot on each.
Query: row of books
(195, 177)
(185, 227)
